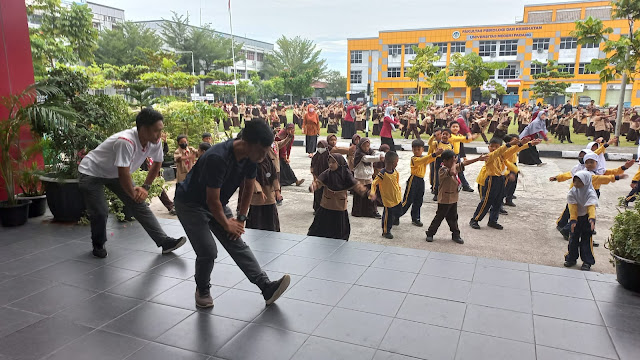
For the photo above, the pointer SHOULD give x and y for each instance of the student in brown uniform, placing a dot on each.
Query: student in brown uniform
(319, 163)
(600, 122)
(282, 113)
(263, 212)
(184, 157)
(274, 119)
(412, 123)
(235, 115)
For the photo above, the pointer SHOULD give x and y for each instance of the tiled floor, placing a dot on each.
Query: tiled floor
(347, 300)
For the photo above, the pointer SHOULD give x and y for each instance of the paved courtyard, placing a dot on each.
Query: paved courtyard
(348, 300)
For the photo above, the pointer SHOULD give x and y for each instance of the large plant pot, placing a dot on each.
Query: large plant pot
(64, 198)
(168, 174)
(38, 204)
(14, 215)
(628, 273)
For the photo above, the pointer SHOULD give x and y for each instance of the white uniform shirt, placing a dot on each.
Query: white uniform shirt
(119, 150)
(363, 171)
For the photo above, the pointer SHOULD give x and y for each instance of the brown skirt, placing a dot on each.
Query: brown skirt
(263, 217)
(359, 125)
(236, 121)
(363, 207)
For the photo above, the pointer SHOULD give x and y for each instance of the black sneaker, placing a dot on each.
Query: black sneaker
(510, 203)
(457, 239)
(170, 244)
(378, 216)
(417, 223)
(274, 289)
(503, 212)
(514, 197)
(468, 189)
(596, 244)
(99, 251)
(474, 224)
(429, 238)
(396, 222)
(435, 197)
(388, 235)
(585, 267)
(495, 225)
(569, 263)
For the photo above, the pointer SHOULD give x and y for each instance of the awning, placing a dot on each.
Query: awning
(515, 82)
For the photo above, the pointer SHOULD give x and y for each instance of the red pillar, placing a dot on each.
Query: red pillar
(16, 66)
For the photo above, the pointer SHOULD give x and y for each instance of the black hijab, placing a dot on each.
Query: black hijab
(320, 162)
(340, 179)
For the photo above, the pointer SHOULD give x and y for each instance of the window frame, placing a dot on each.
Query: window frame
(590, 46)
(394, 50)
(251, 55)
(442, 47)
(459, 47)
(540, 41)
(536, 69)
(353, 56)
(569, 40)
(482, 48)
(582, 69)
(568, 66)
(408, 49)
(513, 48)
(394, 72)
(358, 77)
(512, 72)
(259, 56)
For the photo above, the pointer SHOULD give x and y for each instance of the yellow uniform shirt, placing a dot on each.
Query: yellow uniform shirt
(573, 211)
(597, 181)
(455, 140)
(495, 163)
(389, 186)
(636, 177)
(419, 164)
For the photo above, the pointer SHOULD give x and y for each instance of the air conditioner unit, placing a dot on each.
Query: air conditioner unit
(493, 54)
(540, 50)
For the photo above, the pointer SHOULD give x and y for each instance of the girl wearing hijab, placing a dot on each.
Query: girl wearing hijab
(536, 129)
(287, 176)
(375, 118)
(332, 219)
(582, 201)
(319, 163)
(363, 172)
(263, 212)
(351, 154)
(387, 126)
(311, 128)
(332, 124)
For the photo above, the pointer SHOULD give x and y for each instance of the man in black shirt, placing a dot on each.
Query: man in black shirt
(201, 204)
(567, 109)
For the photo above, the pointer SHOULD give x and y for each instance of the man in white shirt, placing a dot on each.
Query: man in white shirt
(111, 164)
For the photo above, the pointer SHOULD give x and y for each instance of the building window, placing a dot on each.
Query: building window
(395, 50)
(510, 72)
(393, 72)
(509, 48)
(251, 55)
(458, 47)
(406, 70)
(568, 68)
(591, 46)
(260, 56)
(356, 77)
(540, 44)
(356, 57)
(442, 47)
(582, 69)
(440, 97)
(537, 69)
(568, 43)
(487, 48)
(242, 53)
(408, 49)
(457, 73)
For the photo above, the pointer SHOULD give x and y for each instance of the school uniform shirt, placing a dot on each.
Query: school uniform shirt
(455, 140)
(185, 160)
(636, 177)
(122, 149)
(449, 185)
(495, 163)
(389, 185)
(599, 123)
(419, 164)
(609, 176)
(364, 170)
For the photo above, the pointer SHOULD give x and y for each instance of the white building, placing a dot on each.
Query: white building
(104, 17)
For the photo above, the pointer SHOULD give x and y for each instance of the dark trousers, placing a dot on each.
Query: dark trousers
(413, 197)
(603, 134)
(390, 217)
(510, 189)
(388, 141)
(563, 220)
(166, 201)
(432, 176)
(198, 223)
(317, 196)
(463, 179)
(436, 179)
(581, 242)
(490, 199)
(92, 189)
(412, 129)
(449, 212)
(283, 119)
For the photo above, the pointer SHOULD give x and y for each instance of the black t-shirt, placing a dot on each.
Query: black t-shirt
(568, 108)
(216, 168)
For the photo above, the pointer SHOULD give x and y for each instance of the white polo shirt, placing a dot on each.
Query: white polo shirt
(119, 150)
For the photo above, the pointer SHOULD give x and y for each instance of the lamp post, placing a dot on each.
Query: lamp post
(193, 64)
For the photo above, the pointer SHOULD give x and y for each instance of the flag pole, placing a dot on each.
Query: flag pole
(233, 57)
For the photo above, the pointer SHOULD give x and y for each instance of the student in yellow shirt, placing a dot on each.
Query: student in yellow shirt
(635, 187)
(458, 149)
(388, 183)
(511, 174)
(582, 200)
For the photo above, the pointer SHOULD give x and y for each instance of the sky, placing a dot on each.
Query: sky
(329, 23)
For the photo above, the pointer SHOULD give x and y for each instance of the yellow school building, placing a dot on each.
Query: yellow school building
(377, 66)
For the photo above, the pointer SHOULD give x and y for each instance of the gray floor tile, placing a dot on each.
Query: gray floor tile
(71, 249)
(272, 245)
(263, 257)
(433, 286)
(316, 348)
(503, 264)
(64, 270)
(311, 250)
(420, 340)
(372, 300)
(596, 276)
(433, 311)
(102, 345)
(560, 285)
(399, 262)
(354, 256)
(182, 295)
(202, 333)
(354, 327)
(573, 336)
(29, 264)
(144, 286)
(53, 299)
(141, 261)
(406, 251)
(324, 241)
(552, 270)
(502, 277)
(176, 268)
(155, 351)
(335, 271)
(547, 353)
(226, 275)
(293, 264)
(476, 346)
(363, 246)
(239, 304)
(626, 343)
(294, 315)
(262, 342)
(20, 287)
(566, 308)
(448, 269)
(246, 285)
(502, 323)
(385, 355)
(98, 310)
(500, 297)
(614, 293)
(101, 279)
(453, 257)
(12, 320)
(622, 317)
(285, 236)
(40, 339)
(147, 321)
(387, 279)
(318, 291)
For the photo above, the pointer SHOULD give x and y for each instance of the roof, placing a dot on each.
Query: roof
(107, 6)
(565, 3)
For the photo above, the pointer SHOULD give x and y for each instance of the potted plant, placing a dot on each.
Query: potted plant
(33, 190)
(117, 207)
(624, 244)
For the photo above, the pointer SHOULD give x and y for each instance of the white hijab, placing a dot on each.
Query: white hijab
(585, 196)
(536, 126)
(602, 160)
(388, 110)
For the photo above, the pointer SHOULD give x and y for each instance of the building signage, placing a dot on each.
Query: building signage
(222, 83)
(499, 33)
(575, 88)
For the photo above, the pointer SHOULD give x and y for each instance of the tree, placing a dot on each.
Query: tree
(65, 35)
(141, 94)
(124, 44)
(297, 55)
(623, 54)
(436, 79)
(298, 84)
(336, 84)
(544, 86)
(476, 71)
(493, 87)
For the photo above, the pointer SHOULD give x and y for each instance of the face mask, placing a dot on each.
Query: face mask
(311, 110)
(184, 146)
(321, 150)
(581, 161)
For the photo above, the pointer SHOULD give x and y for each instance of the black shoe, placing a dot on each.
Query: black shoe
(467, 189)
(514, 197)
(503, 212)
(569, 263)
(388, 235)
(378, 216)
(429, 238)
(495, 225)
(417, 223)
(396, 222)
(570, 142)
(457, 239)
(274, 289)
(510, 203)
(170, 244)
(474, 224)
(565, 233)
(435, 197)
(585, 267)
(279, 202)
(99, 252)
(593, 232)
(596, 244)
